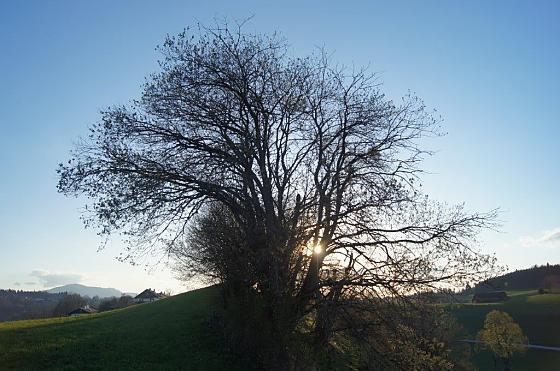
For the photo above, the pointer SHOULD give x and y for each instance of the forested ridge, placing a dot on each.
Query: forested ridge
(526, 279)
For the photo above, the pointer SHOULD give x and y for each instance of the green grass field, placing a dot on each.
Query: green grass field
(538, 316)
(164, 335)
(173, 334)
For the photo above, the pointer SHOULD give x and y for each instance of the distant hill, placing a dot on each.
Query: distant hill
(526, 279)
(83, 290)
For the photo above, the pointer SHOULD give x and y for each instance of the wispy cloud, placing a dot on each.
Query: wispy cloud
(17, 284)
(49, 279)
(30, 283)
(549, 238)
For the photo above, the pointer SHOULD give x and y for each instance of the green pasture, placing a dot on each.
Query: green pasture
(169, 334)
(538, 316)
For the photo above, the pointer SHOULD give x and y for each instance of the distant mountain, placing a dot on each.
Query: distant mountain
(545, 276)
(83, 290)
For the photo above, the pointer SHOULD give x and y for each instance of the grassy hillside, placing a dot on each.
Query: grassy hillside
(168, 334)
(538, 316)
(173, 334)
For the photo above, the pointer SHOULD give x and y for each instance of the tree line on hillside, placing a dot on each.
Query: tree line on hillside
(21, 305)
(295, 184)
(71, 302)
(544, 277)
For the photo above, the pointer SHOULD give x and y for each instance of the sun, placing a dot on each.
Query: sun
(317, 249)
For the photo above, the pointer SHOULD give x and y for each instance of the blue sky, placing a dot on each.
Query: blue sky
(489, 68)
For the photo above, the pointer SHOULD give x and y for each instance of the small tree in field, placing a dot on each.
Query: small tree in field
(502, 336)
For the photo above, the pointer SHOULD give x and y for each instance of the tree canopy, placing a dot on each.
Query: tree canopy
(293, 177)
(502, 336)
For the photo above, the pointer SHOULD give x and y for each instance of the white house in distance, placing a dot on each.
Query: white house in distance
(148, 295)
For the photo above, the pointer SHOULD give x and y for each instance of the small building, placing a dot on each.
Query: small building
(490, 297)
(148, 295)
(81, 311)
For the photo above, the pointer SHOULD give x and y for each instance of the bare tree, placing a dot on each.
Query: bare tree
(68, 303)
(316, 169)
